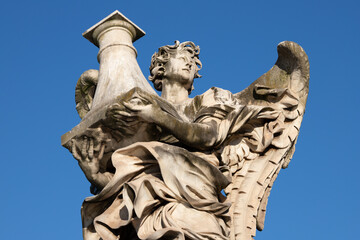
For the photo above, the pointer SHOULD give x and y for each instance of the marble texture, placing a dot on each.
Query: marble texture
(158, 164)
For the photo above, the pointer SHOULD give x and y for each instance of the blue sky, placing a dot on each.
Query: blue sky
(43, 54)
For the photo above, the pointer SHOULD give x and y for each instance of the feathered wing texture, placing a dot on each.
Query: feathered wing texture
(256, 155)
(85, 91)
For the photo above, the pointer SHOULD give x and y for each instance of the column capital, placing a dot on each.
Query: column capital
(115, 19)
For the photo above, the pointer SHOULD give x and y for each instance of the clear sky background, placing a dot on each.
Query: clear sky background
(43, 54)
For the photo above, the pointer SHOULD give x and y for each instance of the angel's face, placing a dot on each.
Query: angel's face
(181, 68)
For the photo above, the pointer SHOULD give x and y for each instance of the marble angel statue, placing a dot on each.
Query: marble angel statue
(207, 164)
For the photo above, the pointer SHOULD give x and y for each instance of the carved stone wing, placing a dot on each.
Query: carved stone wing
(256, 152)
(85, 91)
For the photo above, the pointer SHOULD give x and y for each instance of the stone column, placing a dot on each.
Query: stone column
(119, 71)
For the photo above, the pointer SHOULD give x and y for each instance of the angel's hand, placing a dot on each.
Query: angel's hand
(83, 150)
(121, 116)
(144, 107)
(122, 121)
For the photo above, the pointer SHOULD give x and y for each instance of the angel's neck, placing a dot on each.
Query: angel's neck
(174, 92)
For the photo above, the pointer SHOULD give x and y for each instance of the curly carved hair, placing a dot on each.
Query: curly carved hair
(160, 58)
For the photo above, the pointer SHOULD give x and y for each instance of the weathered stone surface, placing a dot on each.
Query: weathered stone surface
(157, 165)
(119, 71)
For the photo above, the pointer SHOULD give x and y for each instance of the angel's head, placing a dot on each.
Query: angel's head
(179, 62)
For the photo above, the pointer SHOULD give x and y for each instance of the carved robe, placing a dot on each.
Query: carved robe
(172, 191)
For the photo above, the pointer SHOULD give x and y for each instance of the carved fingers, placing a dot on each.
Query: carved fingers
(135, 106)
(74, 151)
(126, 116)
(119, 113)
(102, 150)
(144, 107)
(122, 121)
(87, 153)
(84, 148)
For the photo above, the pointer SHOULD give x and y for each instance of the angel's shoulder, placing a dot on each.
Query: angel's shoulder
(215, 96)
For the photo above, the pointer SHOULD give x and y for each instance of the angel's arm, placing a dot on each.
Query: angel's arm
(199, 135)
